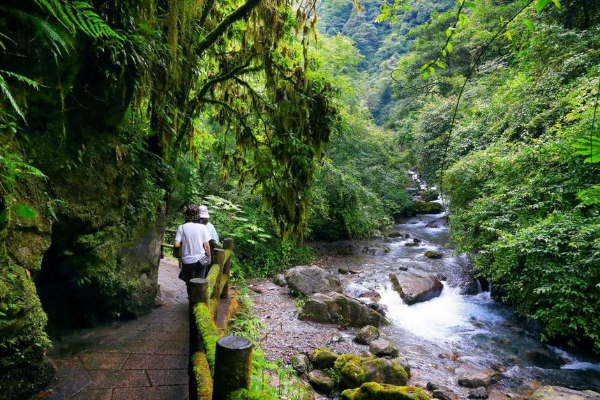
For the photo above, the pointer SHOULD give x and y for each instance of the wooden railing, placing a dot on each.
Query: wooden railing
(226, 358)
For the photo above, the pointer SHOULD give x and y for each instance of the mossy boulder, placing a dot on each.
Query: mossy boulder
(367, 334)
(22, 337)
(355, 370)
(323, 358)
(376, 391)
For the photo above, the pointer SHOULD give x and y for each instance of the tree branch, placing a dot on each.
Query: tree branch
(216, 33)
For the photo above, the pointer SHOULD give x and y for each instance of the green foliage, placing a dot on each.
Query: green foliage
(267, 259)
(549, 271)
(343, 208)
(78, 17)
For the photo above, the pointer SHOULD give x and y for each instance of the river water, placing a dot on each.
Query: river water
(456, 335)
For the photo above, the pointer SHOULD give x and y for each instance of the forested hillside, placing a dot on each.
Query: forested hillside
(496, 104)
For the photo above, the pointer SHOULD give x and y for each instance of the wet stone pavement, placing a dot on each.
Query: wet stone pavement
(144, 359)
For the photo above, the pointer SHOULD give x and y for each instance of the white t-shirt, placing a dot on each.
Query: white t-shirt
(192, 237)
(212, 231)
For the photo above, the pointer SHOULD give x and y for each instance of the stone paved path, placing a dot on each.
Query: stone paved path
(145, 359)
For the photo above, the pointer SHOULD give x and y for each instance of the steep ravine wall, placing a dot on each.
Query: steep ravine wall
(91, 251)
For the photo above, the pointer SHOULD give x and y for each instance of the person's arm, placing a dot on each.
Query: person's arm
(207, 249)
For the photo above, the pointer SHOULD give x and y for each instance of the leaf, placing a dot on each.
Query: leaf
(449, 32)
(24, 211)
(541, 4)
(509, 35)
(529, 23)
(449, 47)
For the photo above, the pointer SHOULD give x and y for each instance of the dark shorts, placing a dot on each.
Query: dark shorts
(195, 270)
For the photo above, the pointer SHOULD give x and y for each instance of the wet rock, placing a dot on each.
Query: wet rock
(380, 308)
(367, 334)
(376, 250)
(562, 393)
(384, 348)
(338, 308)
(414, 242)
(395, 235)
(308, 280)
(300, 363)
(374, 296)
(415, 289)
(435, 255)
(476, 380)
(320, 381)
(542, 358)
(441, 392)
(479, 393)
(437, 223)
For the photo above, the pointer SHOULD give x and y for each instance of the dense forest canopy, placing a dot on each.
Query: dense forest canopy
(292, 121)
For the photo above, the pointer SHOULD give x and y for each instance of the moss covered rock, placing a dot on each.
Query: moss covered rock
(323, 358)
(23, 341)
(376, 391)
(355, 370)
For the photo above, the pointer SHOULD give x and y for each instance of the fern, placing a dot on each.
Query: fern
(78, 17)
(56, 39)
(4, 89)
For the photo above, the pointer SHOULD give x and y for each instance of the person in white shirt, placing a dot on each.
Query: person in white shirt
(193, 238)
(204, 216)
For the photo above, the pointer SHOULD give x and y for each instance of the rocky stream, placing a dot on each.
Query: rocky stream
(453, 336)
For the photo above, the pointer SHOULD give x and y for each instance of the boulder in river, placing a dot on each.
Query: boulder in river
(416, 289)
(308, 280)
(338, 308)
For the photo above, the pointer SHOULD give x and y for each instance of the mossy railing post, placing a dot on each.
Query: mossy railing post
(233, 366)
(227, 245)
